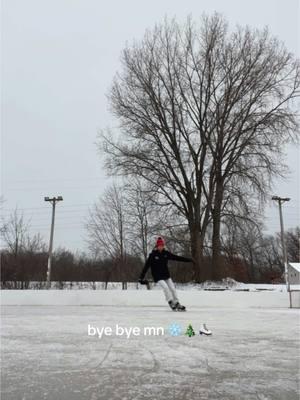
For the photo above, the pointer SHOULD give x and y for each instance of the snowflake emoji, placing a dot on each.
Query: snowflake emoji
(175, 329)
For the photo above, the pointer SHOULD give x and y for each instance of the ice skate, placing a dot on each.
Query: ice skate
(205, 331)
(172, 305)
(180, 307)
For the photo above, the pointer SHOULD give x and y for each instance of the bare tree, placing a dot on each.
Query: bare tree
(292, 239)
(244, 241)
(201, 109)
(2, 223)
(21, 247)
(106, 226)
(15, 232)
(253, 99)
(146, 219)
(16, 236)
(239, 224)
(141, 216)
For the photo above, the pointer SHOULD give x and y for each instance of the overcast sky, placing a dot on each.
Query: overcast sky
(58, 61)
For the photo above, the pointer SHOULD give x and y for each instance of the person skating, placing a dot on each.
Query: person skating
(158, 261)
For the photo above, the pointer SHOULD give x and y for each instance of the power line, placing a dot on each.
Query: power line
(86, 204)
(41, 217)
(44, 188)
(56, 179)
(75, 214)
(72, 224)
(44, 208)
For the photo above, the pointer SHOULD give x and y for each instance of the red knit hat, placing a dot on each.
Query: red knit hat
(160, 241)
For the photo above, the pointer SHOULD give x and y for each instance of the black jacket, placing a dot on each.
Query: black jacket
(158, 261)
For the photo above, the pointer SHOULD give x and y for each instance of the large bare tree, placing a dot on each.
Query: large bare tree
(201, 109)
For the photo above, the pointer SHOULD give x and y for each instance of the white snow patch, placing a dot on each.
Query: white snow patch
(148, 298)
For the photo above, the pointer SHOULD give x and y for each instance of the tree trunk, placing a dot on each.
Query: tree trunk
(197, 254)
(251, 267)
(216, 238)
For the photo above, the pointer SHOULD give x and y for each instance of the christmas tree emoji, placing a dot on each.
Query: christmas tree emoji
(190, 331)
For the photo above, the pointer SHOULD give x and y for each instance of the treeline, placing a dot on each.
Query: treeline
(247, 256)
(66, 266)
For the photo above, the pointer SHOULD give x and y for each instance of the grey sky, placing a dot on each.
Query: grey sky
(58, 60)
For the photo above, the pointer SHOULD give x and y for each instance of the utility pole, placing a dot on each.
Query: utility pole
(280, 201)
(53, 201)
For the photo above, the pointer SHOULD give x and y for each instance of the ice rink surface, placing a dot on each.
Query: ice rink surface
(252, 354)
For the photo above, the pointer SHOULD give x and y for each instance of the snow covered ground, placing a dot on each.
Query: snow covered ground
(225, 284)
(48, 354)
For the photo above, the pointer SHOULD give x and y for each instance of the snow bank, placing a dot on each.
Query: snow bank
(145, 298)
(225, 284)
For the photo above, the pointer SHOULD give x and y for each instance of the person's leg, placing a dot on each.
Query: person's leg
(172, 289)
(167, 292)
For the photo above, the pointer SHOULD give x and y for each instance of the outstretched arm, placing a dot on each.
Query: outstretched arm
(174, 257)
(146, 267)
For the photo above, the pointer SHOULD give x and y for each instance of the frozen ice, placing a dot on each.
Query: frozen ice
(47, 353)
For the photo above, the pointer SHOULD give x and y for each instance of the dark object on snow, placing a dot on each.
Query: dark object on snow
(176, 306)
(172, 305)
(143, 281)
(180, 307)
